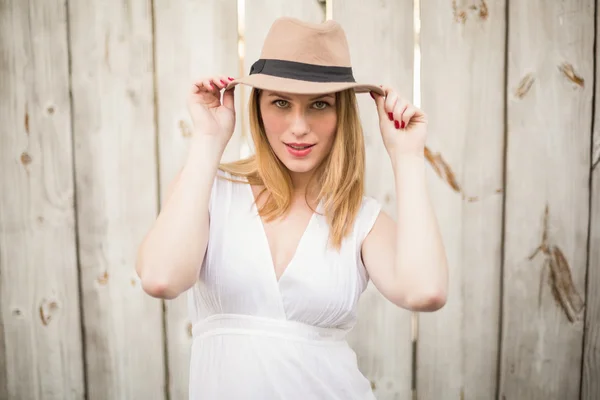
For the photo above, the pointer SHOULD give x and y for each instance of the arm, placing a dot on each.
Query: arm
(407, 261)
(171, 255)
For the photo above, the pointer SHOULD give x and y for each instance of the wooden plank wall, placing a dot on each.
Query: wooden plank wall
(40, 330)
(382, 49)
(590, 384)
(186, 50)
(462, 85)
(95, 126)
(116, 180)
(549, 96)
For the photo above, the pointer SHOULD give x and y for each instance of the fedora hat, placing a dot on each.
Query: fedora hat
(304, 58)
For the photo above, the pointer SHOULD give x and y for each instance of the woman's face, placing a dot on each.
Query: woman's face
(299, 128)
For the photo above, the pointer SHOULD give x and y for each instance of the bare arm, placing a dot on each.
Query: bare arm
(407, 261)
(171, 254)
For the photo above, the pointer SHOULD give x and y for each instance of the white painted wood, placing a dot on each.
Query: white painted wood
(41, 338)
(116, 182)
(462, 85)
(187, 49)
(259, 16)
(590, 384)
(550, 81)
(380, 36)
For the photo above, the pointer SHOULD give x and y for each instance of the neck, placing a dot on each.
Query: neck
(301, 181)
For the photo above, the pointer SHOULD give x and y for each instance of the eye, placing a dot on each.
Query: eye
(320, 105)
(281, 103)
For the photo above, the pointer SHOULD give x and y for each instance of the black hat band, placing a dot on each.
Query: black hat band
(302, 71)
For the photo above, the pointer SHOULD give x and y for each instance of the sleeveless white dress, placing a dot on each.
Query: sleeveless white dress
(255, 337)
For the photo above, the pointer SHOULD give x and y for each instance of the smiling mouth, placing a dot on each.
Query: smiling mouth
(299, 147)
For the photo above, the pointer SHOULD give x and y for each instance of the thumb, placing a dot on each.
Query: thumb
(380, 103)
(229, 99)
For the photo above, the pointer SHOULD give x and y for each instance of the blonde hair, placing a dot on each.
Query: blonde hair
(340, 176)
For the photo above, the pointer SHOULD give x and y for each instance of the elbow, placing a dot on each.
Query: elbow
(159, 288)
(425, 301)
(157, 282)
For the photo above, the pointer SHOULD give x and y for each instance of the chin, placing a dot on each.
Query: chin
(299, 166)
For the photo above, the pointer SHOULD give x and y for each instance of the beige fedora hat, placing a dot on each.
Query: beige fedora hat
(304, 58)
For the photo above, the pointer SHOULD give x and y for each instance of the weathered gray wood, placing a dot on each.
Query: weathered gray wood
(116, 177)
(380, 37)
(187, 49)
(590, 384)
(462, 85)
(550, 81)
(41, 347)
(259, 16)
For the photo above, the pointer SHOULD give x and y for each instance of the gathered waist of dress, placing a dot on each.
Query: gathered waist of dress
(238, 324)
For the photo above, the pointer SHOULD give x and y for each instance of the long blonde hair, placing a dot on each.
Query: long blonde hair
(340, 176)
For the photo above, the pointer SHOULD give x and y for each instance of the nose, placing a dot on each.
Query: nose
(300, 125)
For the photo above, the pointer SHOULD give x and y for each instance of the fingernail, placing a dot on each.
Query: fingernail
(223, 82)
(396, 124)
(230, 78)
(402, 125)
(391, 116)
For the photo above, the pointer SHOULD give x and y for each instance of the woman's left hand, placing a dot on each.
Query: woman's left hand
(403, 126)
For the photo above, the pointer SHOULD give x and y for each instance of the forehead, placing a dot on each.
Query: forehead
(297, 97)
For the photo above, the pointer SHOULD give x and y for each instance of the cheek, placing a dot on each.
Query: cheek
(275, 124)
(325, 128)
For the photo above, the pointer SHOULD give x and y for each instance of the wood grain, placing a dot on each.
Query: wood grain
(380, 37)
(115, 158)
(41, 346)
(187, 50)
(590, 384)
(462, 85)
(547, 197)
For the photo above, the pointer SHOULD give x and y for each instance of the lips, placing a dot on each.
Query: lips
(299, 150)
(299, 146)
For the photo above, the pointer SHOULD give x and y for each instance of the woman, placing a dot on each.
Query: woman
(275, 250)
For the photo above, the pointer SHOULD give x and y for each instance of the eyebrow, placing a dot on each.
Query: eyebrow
(275, 94)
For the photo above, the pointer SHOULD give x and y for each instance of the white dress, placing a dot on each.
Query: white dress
(255, 337)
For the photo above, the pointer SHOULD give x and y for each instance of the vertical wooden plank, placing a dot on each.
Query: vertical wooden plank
(590, 384)
(550, 81)
(259, 16)
(380, 37)
(39, 295)
(462, 82)
(113, 104)
(187, 50)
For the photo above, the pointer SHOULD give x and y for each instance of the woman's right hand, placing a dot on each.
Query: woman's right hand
(210, 116)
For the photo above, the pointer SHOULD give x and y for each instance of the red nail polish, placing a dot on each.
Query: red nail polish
(396, 124)
(391, 116)
(230, 78)
(402, 125)
(223, 82)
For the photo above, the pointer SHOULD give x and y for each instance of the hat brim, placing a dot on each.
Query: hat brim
(286, 85)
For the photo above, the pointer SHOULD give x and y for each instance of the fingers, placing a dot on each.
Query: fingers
(396, 109)
(211, 85)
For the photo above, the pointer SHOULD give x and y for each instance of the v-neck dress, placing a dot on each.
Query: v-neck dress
(256, 337)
